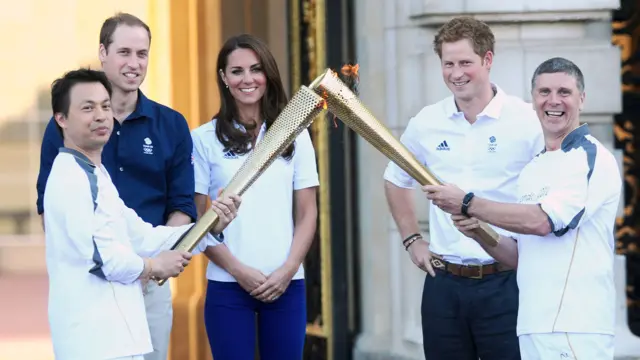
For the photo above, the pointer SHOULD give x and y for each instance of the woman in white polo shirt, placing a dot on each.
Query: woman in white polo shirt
(255, 282)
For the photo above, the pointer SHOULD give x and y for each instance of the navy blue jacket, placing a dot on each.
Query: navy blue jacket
(148, 157)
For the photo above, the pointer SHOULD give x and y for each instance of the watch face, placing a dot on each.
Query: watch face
(467, 198)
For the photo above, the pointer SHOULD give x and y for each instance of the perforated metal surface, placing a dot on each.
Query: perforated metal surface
(296, 116)
(301, 110)
(343, 103)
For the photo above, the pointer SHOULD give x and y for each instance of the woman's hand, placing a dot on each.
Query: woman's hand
(249, 278)
(276, 284)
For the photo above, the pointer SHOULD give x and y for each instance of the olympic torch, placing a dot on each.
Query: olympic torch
(344, 104)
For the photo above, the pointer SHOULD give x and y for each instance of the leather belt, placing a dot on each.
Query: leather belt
(469, 271)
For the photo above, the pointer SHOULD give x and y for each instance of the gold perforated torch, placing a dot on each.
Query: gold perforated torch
(343, 103)
(299, 113)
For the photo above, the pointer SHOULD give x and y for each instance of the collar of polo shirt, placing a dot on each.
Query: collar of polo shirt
(144, 108)
(492, 110)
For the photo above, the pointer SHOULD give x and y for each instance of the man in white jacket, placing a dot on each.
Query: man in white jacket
(99, 252)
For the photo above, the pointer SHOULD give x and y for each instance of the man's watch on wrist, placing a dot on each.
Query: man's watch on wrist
(466, 201)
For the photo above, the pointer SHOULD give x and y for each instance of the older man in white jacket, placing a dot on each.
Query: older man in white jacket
(99, 252)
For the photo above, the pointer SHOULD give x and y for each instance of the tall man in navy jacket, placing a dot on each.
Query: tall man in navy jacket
(148, 154)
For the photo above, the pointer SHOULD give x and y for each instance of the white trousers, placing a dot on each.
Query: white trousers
(566, 346)
(137, 357)
(157, 300)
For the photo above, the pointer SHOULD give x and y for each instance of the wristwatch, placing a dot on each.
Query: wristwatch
(465, 203)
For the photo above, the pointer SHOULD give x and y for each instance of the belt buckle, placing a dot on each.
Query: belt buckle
(438, 264)
(480, 272)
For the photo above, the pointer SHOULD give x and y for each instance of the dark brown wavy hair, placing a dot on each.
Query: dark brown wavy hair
(466, 27)
(272, 103)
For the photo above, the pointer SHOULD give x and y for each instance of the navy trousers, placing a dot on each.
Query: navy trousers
(233, 319)
(467, 319)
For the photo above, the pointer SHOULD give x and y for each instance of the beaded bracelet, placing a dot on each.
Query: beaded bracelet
(410, 239)
(406, 246)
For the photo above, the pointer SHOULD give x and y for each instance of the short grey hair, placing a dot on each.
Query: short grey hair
(559, 65)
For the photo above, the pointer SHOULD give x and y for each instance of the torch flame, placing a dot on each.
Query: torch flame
(324, 104)
(350, 70)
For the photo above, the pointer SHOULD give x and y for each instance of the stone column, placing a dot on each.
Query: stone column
(400, 74)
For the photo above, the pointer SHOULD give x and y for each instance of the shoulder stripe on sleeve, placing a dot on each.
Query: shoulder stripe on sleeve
(97, 259)
(93, 184)
(578, 140)
(89, 169)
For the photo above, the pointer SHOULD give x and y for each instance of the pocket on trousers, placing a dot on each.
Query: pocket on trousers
(439, 297)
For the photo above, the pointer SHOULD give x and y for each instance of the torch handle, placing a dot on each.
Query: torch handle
(423, 177)
(208, 221)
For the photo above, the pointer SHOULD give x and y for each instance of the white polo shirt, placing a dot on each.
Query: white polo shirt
(566, 277)
(94, 250)
(262, 233)
(484, 158)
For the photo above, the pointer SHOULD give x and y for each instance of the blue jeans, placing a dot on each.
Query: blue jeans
(467, 319)
(231, 316)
